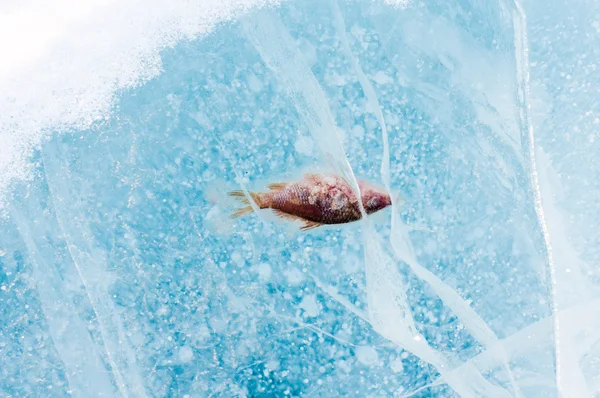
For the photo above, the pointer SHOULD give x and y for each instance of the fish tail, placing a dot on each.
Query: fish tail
(240, 195)
(256, 197)
(242, 211)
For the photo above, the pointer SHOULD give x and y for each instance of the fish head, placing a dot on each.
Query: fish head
(373, 198)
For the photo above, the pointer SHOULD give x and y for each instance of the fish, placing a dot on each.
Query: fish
(315, 200)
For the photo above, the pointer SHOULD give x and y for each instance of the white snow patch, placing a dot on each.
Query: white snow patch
(64, 60)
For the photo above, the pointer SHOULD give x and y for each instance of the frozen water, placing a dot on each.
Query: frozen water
(122, 127)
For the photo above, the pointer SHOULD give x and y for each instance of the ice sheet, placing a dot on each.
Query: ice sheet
(122, 127)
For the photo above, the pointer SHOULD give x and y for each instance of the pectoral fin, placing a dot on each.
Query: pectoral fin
(287, 216)
(306, 224)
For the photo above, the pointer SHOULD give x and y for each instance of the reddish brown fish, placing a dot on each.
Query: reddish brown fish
(316, 200)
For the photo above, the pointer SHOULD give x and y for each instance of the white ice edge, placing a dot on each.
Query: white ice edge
(62, 72)
(392, 320)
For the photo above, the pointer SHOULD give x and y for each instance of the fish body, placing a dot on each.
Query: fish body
(316, 200)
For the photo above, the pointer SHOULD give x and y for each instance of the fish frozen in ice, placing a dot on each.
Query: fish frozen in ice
(316, 199)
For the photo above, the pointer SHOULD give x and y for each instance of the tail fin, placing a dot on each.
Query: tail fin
(242, 211)
(239, 195)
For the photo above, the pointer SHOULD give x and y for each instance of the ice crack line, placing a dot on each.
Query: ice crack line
(528, 137)
(389, 312)
(474, 323)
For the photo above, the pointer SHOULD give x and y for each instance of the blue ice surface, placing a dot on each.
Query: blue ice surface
(119, 277)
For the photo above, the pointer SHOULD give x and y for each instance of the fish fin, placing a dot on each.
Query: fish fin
(277, 186)
(242, 211)
(256, 197)
(310, 225)
(307, 224)
(239, 195)
(312, 177)
(288, 216)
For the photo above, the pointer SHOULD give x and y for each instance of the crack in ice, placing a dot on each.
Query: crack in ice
(528, 140)
(102, 306)
(394, 322)
(474, 323)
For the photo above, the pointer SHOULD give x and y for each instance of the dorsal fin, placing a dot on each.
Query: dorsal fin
(277, 186)
(313, 178)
